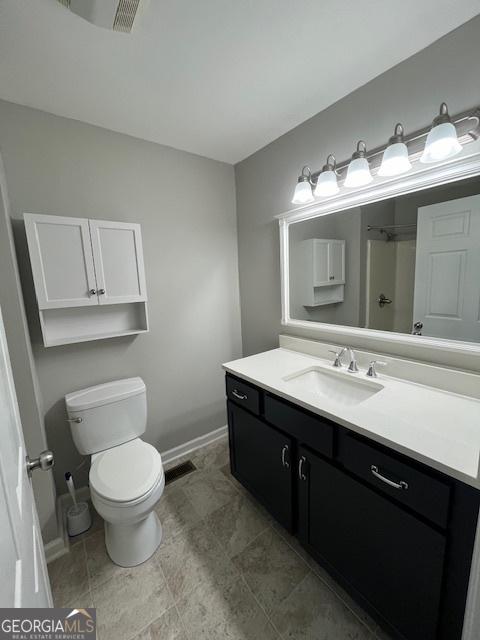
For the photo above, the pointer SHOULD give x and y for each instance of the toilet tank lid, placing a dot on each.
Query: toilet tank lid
(102, 394)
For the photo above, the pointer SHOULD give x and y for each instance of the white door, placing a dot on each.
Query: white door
(447, 271)
(24, 579)
(118, 255)
(62, 261)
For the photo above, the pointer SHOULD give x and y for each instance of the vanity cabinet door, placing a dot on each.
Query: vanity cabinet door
(386, 555)
(118, 254)
(260, 458)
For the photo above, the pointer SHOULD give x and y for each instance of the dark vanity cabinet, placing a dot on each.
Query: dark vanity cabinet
(398, 536)
(261, 462)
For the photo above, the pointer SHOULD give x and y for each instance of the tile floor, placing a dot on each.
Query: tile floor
(224, 571)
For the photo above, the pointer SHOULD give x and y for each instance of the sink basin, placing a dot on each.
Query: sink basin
(343, 388)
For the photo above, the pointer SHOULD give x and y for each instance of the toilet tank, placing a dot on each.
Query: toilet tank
(107, 415)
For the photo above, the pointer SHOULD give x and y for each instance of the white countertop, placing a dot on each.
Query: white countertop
(438, 428)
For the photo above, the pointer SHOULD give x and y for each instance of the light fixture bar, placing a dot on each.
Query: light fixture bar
(467, 124)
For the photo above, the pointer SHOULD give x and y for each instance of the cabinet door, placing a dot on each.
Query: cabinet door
(394, 560)
(320, 263)
(62, 261)
(118, 254)
(336, 262)
(260, 460)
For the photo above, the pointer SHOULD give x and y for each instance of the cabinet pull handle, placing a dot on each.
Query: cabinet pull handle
(101, 292)
(285, 462)
(301, 475)
(240, 396)
(396, 485)
(92, 292)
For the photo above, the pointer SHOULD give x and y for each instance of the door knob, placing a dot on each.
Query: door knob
(45, 461)
(417, 328)
(383, 300)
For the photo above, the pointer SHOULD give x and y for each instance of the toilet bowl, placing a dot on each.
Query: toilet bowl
(126, 475)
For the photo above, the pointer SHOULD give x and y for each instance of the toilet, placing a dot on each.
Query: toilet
(126, 473)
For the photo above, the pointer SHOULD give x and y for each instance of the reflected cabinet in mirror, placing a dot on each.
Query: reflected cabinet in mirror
(409, 264)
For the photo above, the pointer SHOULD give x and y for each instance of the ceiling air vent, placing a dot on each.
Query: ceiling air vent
(118, 15)
(125, 16)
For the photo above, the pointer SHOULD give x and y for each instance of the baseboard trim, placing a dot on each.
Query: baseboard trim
(54, 549)
(192, 445)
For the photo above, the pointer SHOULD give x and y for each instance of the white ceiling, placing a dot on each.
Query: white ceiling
(221, 78)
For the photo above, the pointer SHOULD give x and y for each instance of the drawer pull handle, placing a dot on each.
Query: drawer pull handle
(396, 485)
(238, 395)
(285, 462)
(301, 475)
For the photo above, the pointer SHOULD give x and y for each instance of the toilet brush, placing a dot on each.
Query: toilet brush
(78, 514)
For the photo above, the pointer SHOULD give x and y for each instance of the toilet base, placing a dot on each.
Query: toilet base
(128, 545)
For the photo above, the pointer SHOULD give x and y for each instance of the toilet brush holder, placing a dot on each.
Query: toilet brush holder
(79, 518)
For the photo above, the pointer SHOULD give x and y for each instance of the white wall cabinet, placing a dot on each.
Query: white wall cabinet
(78, 263)
(323, 267)
(328, 258)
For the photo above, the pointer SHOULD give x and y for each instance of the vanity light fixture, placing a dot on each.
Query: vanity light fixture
(303, 190)
(358, 173)
(327, 184)
(395, 159)
(442, 141)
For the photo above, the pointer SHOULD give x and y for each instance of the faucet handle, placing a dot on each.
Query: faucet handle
(338, 356)
(372, 371)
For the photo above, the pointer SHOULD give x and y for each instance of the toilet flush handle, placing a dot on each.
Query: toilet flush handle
(77, 420)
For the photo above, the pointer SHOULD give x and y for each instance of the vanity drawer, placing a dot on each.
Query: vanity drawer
(419, 491)
(243, 394)
(308, 429)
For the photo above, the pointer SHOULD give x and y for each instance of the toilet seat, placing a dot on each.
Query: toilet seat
(126, 473)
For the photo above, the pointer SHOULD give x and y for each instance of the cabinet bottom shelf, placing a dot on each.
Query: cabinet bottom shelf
(84, 324)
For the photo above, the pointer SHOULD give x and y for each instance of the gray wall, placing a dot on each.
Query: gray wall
(186, 207)
(410, 92)
(23, 368)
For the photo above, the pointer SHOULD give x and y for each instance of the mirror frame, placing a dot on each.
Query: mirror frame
(466, 165)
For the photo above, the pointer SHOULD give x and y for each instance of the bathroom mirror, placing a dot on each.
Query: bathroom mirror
(408, 264)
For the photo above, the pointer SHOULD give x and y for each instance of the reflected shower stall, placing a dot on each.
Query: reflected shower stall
(390, 278)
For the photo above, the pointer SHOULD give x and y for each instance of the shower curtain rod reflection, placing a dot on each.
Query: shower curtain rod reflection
(391, 226)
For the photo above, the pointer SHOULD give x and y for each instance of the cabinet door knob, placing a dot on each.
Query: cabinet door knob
(301, 462)
(101, 292)
(92, 292)
(285, 462)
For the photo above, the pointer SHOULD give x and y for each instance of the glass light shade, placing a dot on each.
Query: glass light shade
(358, 173)
(303, 193)
(395, 160)
(442, 143)
(327, 184)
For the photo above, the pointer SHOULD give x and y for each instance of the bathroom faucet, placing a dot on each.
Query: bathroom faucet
(353, 366)
(338, 356)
